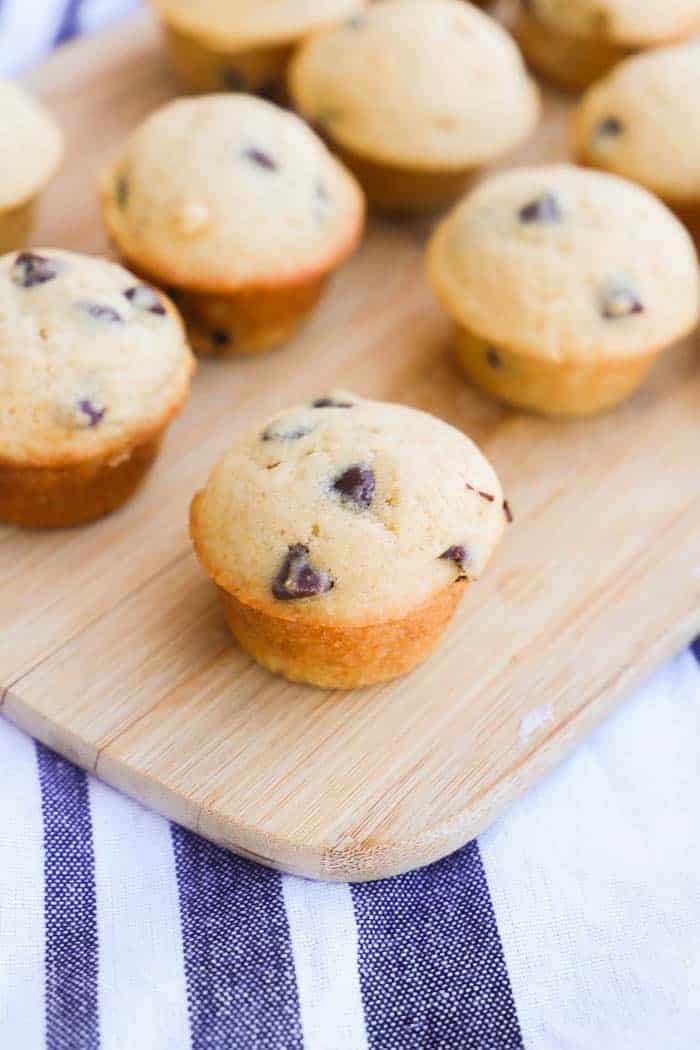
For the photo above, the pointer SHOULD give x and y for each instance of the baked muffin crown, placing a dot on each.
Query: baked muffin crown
(90, 358)
(36, 145)
(347, 510)
(620, 21)
(566, 264)
(248, 23)
(428, 85)
(222, 192)
(643, 121)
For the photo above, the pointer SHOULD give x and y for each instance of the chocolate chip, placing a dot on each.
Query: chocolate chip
(261, 158)
(610, 127)
(99, 311)
(220, 338)
(233, 80)
(493, 358)
(270, 90)
(508, 512)
(29, 269)
(356, 485)
(297, 578)
(484, 495)
(544, 210)
(93, 412)
(458, 554)
(618, 301)
(278, 431)
(330, 402)
(122, 190)
(145, 298)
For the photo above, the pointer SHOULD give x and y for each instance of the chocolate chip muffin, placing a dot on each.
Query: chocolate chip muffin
(565, 285)
(643, 121)
(414, 96)
(33, 152)
(93, 366)
(341, 535)
(574, 42)
(239, 209)
(217, 45)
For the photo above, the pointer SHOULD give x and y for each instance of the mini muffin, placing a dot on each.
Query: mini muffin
(341, 535)
(219, 45)
(33, 152)
(414, 96)
(240, 209)
(643, 121)
(565, 284)
(574, 42)
(93, 366)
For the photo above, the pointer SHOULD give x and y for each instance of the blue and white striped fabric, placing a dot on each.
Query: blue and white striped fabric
(573, 924)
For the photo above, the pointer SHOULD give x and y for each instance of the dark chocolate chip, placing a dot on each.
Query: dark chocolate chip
(484, 495)
(93, 412)
(330, 402)
(261, 158)
(122, 190)
(29, 269)
(270, 90)
(356, 485)
(297, 578)
(145, 298)
(99, 311)
(508, 512)
(175, 294)
(544, 210)
(610, 127)
(278, 431)
(220, 338)
(493, 358)
(458, 554)
(618, 301)
(233, 80)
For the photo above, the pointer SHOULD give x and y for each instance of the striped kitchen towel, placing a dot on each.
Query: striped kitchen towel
(573, 924)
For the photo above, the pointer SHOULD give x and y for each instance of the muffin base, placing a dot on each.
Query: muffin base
(16, 224)
(343, 657)
(63, 496)
(201, 68)
(573, 63)
(563, 389)
(395, 189)
(247, 322)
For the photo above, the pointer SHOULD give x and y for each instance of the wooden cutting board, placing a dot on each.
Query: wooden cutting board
(112, 647)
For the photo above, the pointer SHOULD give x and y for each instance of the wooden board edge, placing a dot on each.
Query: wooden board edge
(352, 860)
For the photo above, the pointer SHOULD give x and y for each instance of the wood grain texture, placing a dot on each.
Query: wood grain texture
(113, 649)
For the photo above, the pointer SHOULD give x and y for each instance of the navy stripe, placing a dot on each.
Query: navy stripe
(432, 971)
(241, 985)
(70, 909)
(69, 25)
(696, 649)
